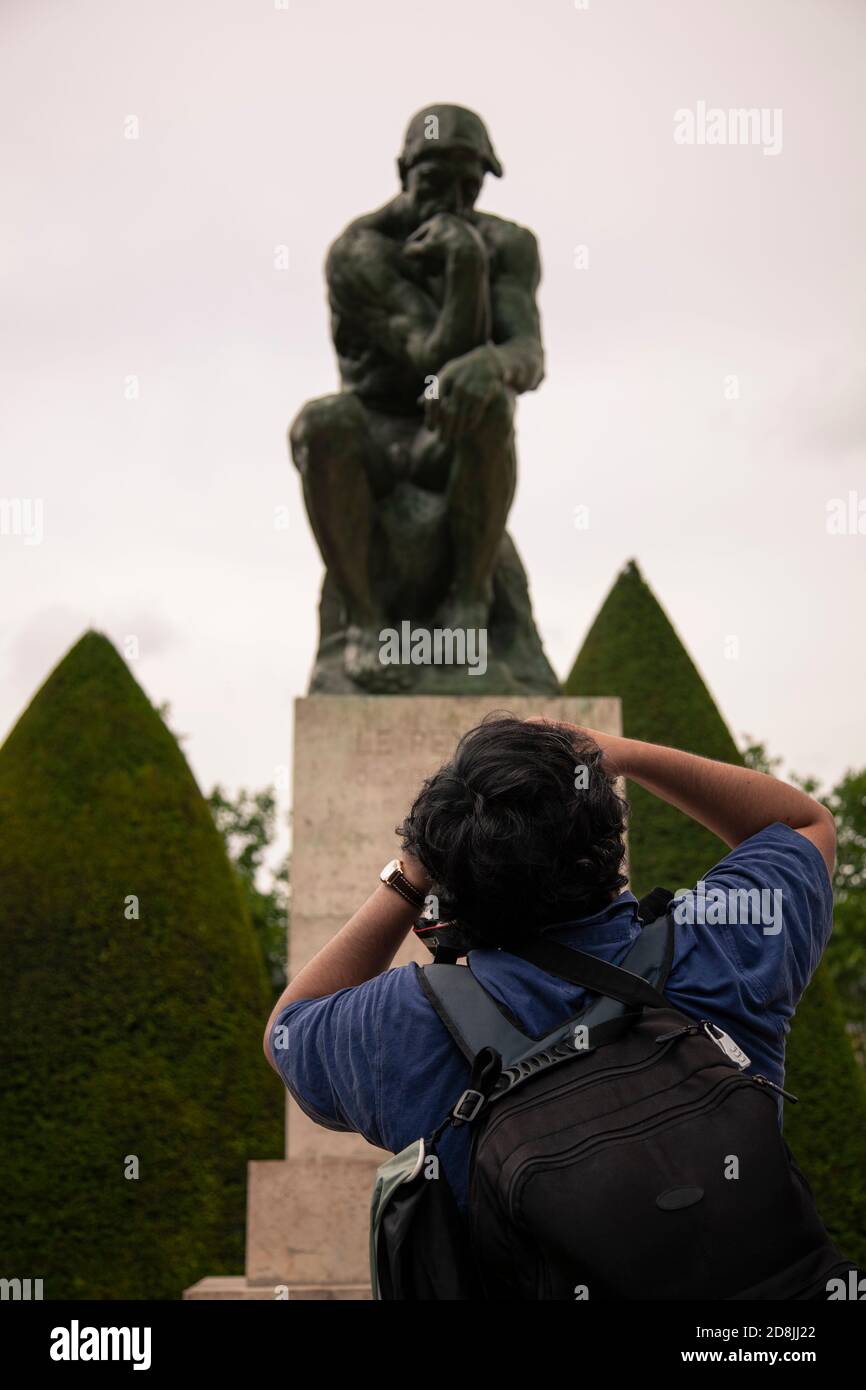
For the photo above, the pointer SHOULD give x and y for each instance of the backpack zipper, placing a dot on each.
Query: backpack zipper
(722, 1041)
(680, 1032)
(765, 1081)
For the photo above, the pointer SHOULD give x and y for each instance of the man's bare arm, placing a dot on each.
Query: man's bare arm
(364, 947)
(733, 802)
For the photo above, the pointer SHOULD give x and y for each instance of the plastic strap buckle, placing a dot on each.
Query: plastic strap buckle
(468, 1106)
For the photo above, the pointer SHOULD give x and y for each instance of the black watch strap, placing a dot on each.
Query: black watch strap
(397, 880)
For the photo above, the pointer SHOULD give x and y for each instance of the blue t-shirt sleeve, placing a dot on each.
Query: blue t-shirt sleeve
(330, 1052)
(778, 909)
(374, 1059)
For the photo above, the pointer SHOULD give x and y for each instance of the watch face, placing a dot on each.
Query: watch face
(392, 867)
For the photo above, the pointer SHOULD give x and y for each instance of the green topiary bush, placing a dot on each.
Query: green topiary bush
(632, 651)
(122, 1035)
(827, 1130)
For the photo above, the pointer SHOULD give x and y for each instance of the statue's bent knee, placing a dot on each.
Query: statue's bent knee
(329, 422)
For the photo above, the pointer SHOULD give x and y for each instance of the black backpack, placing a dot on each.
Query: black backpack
(624, 1155)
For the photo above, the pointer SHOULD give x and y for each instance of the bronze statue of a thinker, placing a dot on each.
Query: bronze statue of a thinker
(409, 471)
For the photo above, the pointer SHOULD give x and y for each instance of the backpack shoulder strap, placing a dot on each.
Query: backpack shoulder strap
(605, 1017)
(617, 982)
(638, 982)
(652, 954)
(473, 1018)
(654, 904)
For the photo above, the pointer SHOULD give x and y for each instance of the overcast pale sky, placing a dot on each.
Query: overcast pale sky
(263, 125)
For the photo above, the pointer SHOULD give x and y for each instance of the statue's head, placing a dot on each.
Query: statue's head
(446, 153)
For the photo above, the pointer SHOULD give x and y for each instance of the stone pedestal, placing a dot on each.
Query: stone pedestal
(358, 762)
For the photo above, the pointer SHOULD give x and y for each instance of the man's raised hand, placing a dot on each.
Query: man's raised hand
(612, 747)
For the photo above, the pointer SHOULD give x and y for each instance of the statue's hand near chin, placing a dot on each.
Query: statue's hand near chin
(444, 236)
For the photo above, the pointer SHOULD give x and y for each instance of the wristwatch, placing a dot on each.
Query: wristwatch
(393, 875)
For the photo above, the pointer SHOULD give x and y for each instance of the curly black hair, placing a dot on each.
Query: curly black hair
(521, 829)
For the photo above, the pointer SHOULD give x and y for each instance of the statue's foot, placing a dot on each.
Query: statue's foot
(462, 614)
(365, 661)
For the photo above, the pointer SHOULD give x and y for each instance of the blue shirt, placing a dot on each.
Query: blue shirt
(377, 1059)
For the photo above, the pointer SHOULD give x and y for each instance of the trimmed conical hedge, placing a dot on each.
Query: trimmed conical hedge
(124, 1039)
(827, 1130)
(633, 651)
